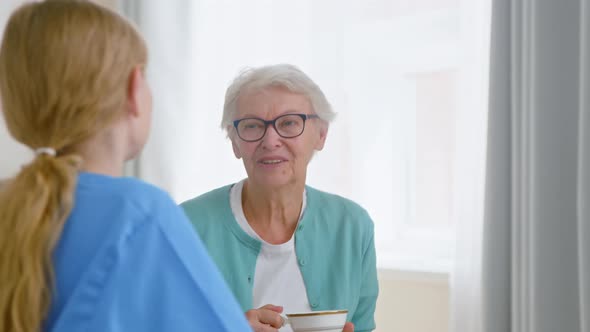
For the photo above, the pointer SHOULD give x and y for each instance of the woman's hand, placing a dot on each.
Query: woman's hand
(348, 327)
(268, 318)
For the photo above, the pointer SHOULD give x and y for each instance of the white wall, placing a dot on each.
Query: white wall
(12, 154)
(412, 302)
(107, 3)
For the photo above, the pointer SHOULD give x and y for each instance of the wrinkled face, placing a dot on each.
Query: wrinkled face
(275, 161)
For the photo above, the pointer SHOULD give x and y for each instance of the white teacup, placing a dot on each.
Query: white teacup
(316, 321)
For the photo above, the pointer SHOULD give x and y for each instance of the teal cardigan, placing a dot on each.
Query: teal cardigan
(334, 243)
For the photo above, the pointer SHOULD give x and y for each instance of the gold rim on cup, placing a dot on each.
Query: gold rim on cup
(319, 313)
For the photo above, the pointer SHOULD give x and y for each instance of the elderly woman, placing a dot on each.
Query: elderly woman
(283, 246)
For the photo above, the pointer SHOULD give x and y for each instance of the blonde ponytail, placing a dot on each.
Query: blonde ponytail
(33, 208)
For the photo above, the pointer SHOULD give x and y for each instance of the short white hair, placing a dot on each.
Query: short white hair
(281, 75)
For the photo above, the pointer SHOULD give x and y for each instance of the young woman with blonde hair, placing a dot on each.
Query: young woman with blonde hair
(81, 247)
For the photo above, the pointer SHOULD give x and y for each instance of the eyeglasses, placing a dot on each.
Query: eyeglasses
(287, 126)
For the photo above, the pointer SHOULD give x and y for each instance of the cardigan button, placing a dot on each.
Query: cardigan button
(300, 228)
(314, 304)
(302, 261)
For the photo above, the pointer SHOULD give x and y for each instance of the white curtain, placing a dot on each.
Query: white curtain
(166, 27)
(536, 235)
(469, 175)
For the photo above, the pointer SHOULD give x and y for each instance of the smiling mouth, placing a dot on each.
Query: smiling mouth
(271, 162)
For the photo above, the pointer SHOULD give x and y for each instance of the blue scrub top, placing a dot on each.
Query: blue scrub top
(129, 260)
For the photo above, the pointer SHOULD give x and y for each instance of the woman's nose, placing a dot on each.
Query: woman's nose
(271, 138)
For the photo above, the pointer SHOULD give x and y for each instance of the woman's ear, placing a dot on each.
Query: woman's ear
(236, 150)
(135, 91)
(232, 136)
(323, 132)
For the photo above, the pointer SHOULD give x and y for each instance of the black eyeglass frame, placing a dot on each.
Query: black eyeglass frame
(304, 117)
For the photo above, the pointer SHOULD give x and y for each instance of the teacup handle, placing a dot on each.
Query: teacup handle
(285, 320)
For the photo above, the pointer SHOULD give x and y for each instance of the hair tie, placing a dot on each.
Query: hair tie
(48, 151)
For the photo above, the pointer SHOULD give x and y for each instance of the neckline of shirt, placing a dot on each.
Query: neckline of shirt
(238, 211)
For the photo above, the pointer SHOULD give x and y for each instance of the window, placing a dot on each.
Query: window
(406, 77)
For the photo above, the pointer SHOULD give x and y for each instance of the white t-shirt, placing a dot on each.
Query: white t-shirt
(277, 278)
